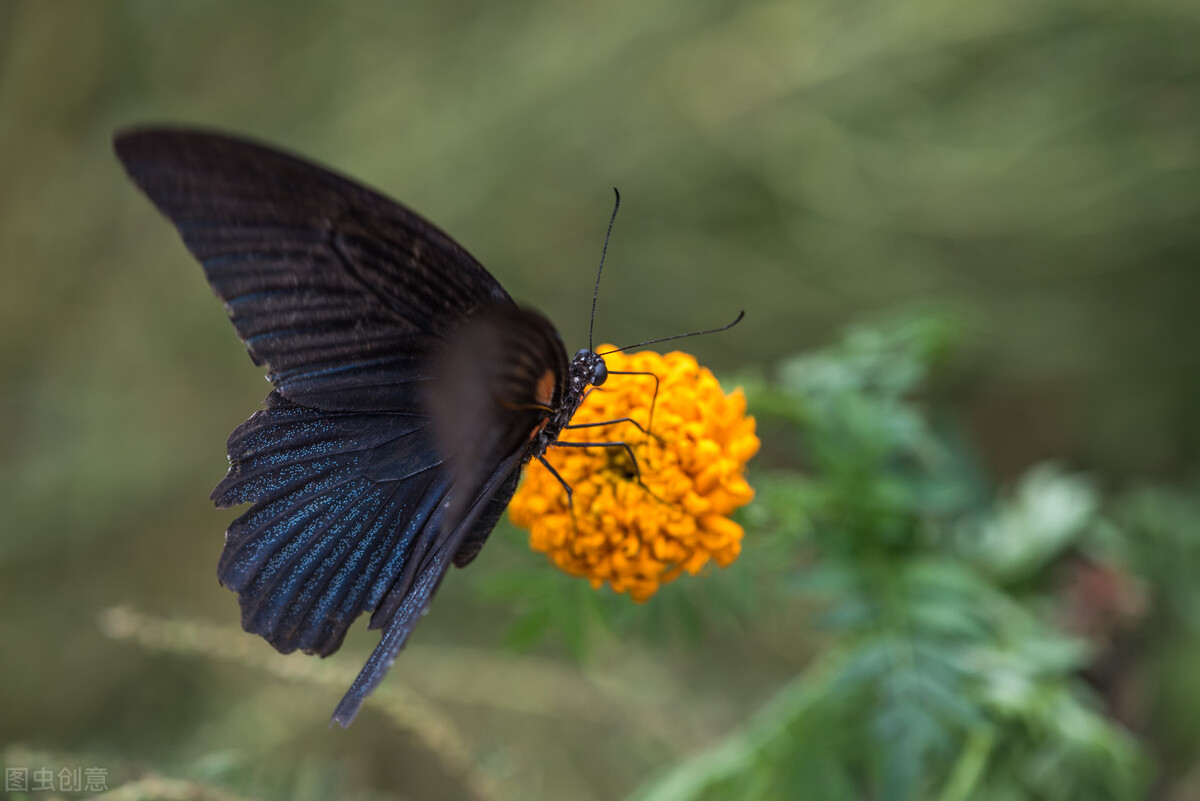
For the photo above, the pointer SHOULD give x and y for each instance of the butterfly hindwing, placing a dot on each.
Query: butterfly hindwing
(333, 524)
(411, 604)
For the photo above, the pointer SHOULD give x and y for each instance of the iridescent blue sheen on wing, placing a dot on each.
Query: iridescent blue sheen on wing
(402, 610)
(332, 527)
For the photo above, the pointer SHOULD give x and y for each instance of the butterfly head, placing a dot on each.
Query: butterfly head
(588, 367)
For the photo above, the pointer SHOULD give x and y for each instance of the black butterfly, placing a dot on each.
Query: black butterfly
(409, 390)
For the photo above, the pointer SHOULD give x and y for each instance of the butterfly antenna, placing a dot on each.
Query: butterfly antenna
(596, 291)
(725, 327)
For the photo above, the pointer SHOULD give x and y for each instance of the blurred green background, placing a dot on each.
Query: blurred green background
(1032, 166)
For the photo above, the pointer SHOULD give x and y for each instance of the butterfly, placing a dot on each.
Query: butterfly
(409, 390)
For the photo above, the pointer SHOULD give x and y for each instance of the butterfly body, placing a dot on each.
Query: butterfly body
(409, 390)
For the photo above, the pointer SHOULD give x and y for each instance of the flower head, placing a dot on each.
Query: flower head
(636, 534)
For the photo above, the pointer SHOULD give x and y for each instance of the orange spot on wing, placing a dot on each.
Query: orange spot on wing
(545, 388)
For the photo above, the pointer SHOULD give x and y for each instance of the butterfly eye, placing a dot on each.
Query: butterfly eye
(599, 373)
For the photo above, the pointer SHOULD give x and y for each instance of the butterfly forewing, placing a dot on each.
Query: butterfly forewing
(340, 292)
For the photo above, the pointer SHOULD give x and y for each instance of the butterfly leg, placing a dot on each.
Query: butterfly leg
(630, 420)
(637, 470)
(653, 398)
(566, 487)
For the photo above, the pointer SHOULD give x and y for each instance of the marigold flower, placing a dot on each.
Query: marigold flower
(638, 536)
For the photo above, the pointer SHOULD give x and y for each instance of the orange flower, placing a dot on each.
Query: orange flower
(635, 537)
